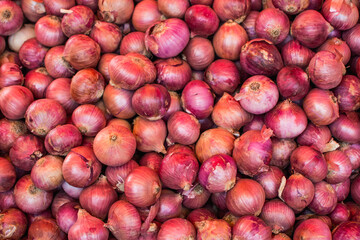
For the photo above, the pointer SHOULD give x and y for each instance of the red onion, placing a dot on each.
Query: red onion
(53, 7)
(294, 53)
(11, 18)
(107, 35)
(353, 153)
(315, 4)
(131, 71)
(347, 230)
(216, 228)
(14, 101)
(11, 57)
(92, 4)
(255, 124)
(348, 93)
(272, 24)
(7, 175)
(142, 187)
(197, 216)
(214, 141)
(270, 181)
(150, 135)
(145, 14)
(235, 10)
(74, 192)
(117, 12)
(199, 53)
(339, 167)
(282, 149)
(13, 224)
(342, 15)
(340, 214)
(178, 170)
(260, 56)
(351, 37)
(202, 20)
(43, 115)
(89, 119)
(354, 210)
(48, 31)
(80, 167)
(33, 9)
(10, 74)
(170, 205)
(297, 192)
(86, 224)
(338, 47)
(252, 151)
(173, 73)
(119, 123)
(219, 200)
(278, 216)
(9, 132)
(167, 38)
(67, 215)
(7, 200)
(103, 66)
(45, 228)
(312, 228)
(325, 199)
(134, 42)
(247, 197)
(56, 65)
(249, 24)
(310, 28)
(124, 221)
(29, 198)
(81, 52)
(197, 99)
(117, 175)
(32, 54)
(26, 150)
(77, 20)
(16, 40)
(291, 7)
(342, 190)
(183, 128)
(37, 80)
(293, 83)
(114, 146)
(174, 9)
(151, 160)
(176, 228)
(195, 197)
(321, 106)
(347, 127)
(229, 114)
(178, 148)
(59, 90)
(60, 199)
(355, 190)
(251, 228)
(309, 162)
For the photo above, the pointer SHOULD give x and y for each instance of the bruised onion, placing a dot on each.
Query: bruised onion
(46, 173)
(11, 18)
(199, 53)
(339, 167)
(183, 128)
(251, 228)
(171, 9)
(347, 127)
(145, 14)
(270, 181)
(89, 119)
(13, 224)
(235, 10)
(7, 175)
(48, 31)
(33, 9)
(32, 54)
(134, 42)
(348, 93)
(341, 14)
(202, 20)
(312, 228)
(10, 74)
(117, 12)
(107, 35)
(347, 230)
(9, 131)
(291, 7)
(116, 176)
(77, 20)
(37, 80)
(14, 101)
(293, 83)
(294, 53)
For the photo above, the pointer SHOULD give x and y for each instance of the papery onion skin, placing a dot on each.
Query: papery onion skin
(32, 54)
(340, 214)
(247, 197)
(177, 229)
(134, 42)
(342, 15)
(45, 228)
(117, 12)
(56, 65)
(37, 81)
(10, 74)
(33, 9)
(89, 119)
(281, 152)
(270, 181)
(16, 40)
(342, 190)
(202, 20)
(312, 228)
(9, 132)
(13, 224)
(347, 127)
(351, 37)
(199, 53)
(251, 228)
(183, 128)
(321, 107)
(11, 18)
(48, 31)
(291, 7)
(337, 46)
(235, 10)
(353, 153)
(167, 38)
(249, 24)
(339, 167)
(325, 199)
(151, 160)
(196, 216)
(293, 83)
(116, 175)
(216, 228)
(7, 175)
(346, 230)
(145, 14)
(111, 42)
(14, 101)
(348, 93)
(294, 53)
(196, 197)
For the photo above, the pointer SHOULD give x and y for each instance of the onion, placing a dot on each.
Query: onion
(107, 35)
(251, 228)
(7, 175)
(338, 47)
(293, 83)
(347, 230)
(26, 150)
(342, 15)
(29, 198)
(11, 57)
(60, 199)
(272, 24)
(114, 11)
(14, 101)
(134, 42)
(353, 153)
(48, 31)
(170, 205)
(37, 81)
(86, 224)
(32, 54)
(10, 74)
(351, 37)
(354, 211)
(183, 128)
(61, 139)
(278, 216)
(297, 192)
(199, 53)
(347, 127)
(77, 20)
(131, 71)
(229, 114)
(9, 132)
(142, 187)
(124, 221)
(53, 7)
(67, 215)
(325, 199)
(235, 10)
(80, 167)
(252, 151)
(119, 123)
(281, 152)
(195, 197)
(13, 224)
(45, 228)
(219, 200)
(43, 115)
(342, 190)
(291, 7)
(89, 119)
(249, 24)
(339, 167)
(145, 14)
(33, 9)
(176, 228)
(117, 175)
(103, 66)
(11, 18)
(16, 40)
(167, 38)
(355, 190)
(280, 236)
(270, 181)
(92, 4)
(56, 65)
(197, 216)
(348, 93)
(321, 106)
(255, 124)
(59, 90)
(340, 214)
(312, 228)
(81, 52)
(202, 20)
(151, 160)
(74, 192)
(216, 228)
(114, 146)
(294, 53)
(174, 9)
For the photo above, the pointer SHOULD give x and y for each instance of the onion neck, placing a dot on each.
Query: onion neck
(331, 146)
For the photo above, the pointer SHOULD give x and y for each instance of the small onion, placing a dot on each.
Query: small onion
(340, 214)
(13, 224)
(251, 228)
(348, 93)
(270, 181)
(325, 199)
(195, 197)
(16, 40)
(293, 83)
(56, 65)
(59, 90)
(183, 128)
(347, 127)
(312, 228)
(339, 167)
(353, 153)
(199, 53)
(174, 9)
(32, 54)
(107, 35)
(7, 175)
(145, 14)
(294, 53)
(37, 80)
(134, 42)
(347, 230)
(235, 10)
(117, 175)
(33, 9)
(77, 20)
(118, 102)
(89, 119)
(11, 18)
(177, 229)
(9, 131)
(281, 151)
(202, 20)
(48, 31)
(342, 15)
(14, 101)
(117, 12)
(291, 7)
(11, 57)
(46, 173)
(342, 190)
(10, 74)
(351, 37)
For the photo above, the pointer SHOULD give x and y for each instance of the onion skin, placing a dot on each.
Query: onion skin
(312, 228)
(32, 54)
(170, 205)
(92, 4)
(12, 18)
(37, 81)
(13, 224)
(56, 65)
(351, 37)
(103, 66)
(354, 211)
(342, 190)
(11, 57)
(281, 152)
(134, 42)
(48, 31)
(260, 57)
(338, 47)
(111, 42)
(247, 197)
(199, 53)
(355, 190)
(14, 101)
(10, 74)
(219, 200)
(183, 128)
(339, 167)
(45, 228)
(353, 153)
(342, 15)
(251, 228)
(116, 175)
(348, 93)
(145, 14)
(117, 12)
(89, 119)
(235, 10)
(310, 28)
(7, 175)
(54, 7)
(174, 9)
(77, 20)
(72, 191)
(196, 216)
(216, 228)
(293, 83)
(196, 197)
(176, 229)
(33, 9)
(294, 53)
(67, 215)
(124, 221)
(291, 7)
(252, 151)
(9, 131)
(340, 214)
(346, 230)
(255, 124)
(249, 24)
(325, 199)
(151, 160)
(201, 20)
(321, 107)
(270, 181)
(347, 127)
(59, 200)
